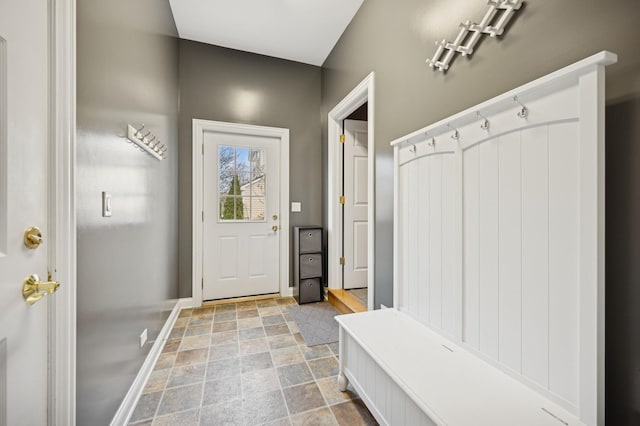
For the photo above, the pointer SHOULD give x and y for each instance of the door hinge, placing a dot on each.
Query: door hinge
(202, 149)
(342, 261)
(203, 215)
(342, 138)
(342, 200)
(202, 283)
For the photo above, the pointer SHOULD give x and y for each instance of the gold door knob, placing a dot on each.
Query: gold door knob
(32, 237)
(33, 289)
(274, 228)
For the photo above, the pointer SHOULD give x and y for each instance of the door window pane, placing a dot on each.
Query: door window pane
(241, 184)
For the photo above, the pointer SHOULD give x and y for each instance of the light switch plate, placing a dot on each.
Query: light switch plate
(106, 204)
(296, 206)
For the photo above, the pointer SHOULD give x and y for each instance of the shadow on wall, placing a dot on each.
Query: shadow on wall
(623, 263)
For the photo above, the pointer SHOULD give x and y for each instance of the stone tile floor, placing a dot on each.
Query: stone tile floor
(245, 364)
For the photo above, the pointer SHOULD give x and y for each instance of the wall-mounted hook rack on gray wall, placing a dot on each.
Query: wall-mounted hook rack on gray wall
(147, 141)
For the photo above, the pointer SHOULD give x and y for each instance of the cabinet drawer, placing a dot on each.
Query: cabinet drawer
(310, 290)
(310, 240)
(310, 265)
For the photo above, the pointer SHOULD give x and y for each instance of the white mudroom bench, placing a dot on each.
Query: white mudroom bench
(498, 293)
(409, 375)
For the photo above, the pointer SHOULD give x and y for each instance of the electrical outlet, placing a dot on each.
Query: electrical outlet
(143, 338)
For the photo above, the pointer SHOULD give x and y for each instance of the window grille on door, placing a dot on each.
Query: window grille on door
(241, 184)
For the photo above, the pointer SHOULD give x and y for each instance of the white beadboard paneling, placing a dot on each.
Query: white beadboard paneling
(382, 384)
(413, 413)
(449, 261)
(370, 376)
(510, 251)
(535, 255)
(398, 399)
(564, 214)
(412, 247)
(488, 220)
(434, 218)
(403, 243)
(471, 246)
(391, 390)
(422, 235)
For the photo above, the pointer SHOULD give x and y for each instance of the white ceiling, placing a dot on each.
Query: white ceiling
(298, 30)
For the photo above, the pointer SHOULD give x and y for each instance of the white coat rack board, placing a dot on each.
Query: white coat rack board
(498, 314)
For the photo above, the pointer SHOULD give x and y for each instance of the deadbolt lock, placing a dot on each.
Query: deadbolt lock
(32, 237)
(274, 217)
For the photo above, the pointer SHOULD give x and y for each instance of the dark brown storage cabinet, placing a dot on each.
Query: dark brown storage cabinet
(307, 264)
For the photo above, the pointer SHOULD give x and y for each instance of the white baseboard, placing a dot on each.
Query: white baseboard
(135, 391)
(186, 303)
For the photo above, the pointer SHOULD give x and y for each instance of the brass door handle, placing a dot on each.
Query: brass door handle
(33, 289)
(275, 228)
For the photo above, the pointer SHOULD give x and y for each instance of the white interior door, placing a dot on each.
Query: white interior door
(241, 229)
(23, 204)
(356, 150)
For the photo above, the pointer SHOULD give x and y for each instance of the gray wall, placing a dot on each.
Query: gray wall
(127, 264)
(212, 83)
(622, 263)
(394, 39)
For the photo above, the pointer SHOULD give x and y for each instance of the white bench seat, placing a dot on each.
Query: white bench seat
(447, 383)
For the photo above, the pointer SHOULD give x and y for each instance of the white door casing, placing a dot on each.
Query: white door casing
(355, 228)
(363, 92)
(276, 145)
(241, 253)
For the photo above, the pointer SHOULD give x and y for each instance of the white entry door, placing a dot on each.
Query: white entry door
(23, 204)
(355, 228)
(241, 230)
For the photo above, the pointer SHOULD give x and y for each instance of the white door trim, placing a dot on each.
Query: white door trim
(362, 93)
(199, 126)
(61, 393)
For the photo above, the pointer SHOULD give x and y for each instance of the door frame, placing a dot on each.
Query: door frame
(363, 92)
(61, 392)
(199, 127)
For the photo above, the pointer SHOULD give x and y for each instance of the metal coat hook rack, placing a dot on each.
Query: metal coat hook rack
(147, 142)
(493, 23)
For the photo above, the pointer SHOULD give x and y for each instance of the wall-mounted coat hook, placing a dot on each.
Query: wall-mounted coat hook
(456, 133)
(432, 142)
(413, 149)
(485, 123)
(524, 111)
